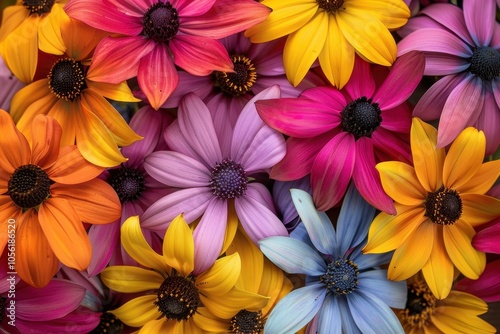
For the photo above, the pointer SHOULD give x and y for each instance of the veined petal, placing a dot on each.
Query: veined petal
(450, 17)
(63, 112)
(117, 92)
(434, 40)
(480, 21)
(393, 14)
(138, 311)
(104, 239)
(221, 277)
(129, 279)
(229, 304)
(454, 319)
(80, 39)
(189, 9)
(363, 83)
(71, 168)
(376, 283)
(46, 139)
(209, 322)
(12, 17)
(49, 30)
(400, 182)
(486, 240)
(465, 301)
(28, 95)
(479, 209)
(486, 286)
(14, 148)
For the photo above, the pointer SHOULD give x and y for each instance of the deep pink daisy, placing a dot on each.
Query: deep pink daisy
(338, 135)
(211, 177)
(157, 35)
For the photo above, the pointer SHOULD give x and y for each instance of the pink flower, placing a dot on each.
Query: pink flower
(338, 135)
(212, 177)
(462, 47)
(151, 31)
(487, 286)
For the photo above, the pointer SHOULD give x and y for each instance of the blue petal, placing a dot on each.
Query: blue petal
(329, 320)
(376, 283)
(295, 310)
(348, 324)
(364, 261)
(293, 256)
(372, 315)
(354, 220)
(317, 223)
(300, 233)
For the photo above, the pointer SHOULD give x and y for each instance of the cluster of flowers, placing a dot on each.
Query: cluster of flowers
(221, 166)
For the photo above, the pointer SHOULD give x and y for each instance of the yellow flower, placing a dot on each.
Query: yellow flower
(173, 295)
(77, 103)
(439, 201)
(332, 31)
(457, 313)
(26, 27)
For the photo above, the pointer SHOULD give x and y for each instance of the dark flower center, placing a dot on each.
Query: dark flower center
(341, 277)
(241, 81)
(246, 322)
(28, 186)
(330, 6)
(420, 305)
(228, 179)
(361, 117)
(161, 22)
(109, 324)
(444, 206)
(127, 182)
(485, 63)
(38, 6)
(177, 298)
(67, 79)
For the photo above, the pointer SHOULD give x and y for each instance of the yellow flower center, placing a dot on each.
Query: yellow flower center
(341, 277)
(246, 322)
(485, 63)
(29, 186)
(128, 183)
(330, 6)
(67, 79)
(109, 324)
(177, 298)
(241, 81)
(420, 305)
(444, 206)
(161, 22)
(228, 179)
(38, 6)
(361, 117)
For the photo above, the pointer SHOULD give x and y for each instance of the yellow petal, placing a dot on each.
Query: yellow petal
(49, 31)
(483, 180)
(137, 247)
(230, 303)
(39, 107)
(478, 209)
(392, 13)
(28, 95)
(130, 279)
(303, 47)
(455, 320)
(466, 301)
(427, 159)
(160, 326)
(80, 39)
(138, 311)
(12, 17)
(464, 158)
(178, 246)
(210, 323)
(118, 92)
(64, 111)
(400, 182)
(337, 56)
(274, 285)
(221, 277)
(231, 225)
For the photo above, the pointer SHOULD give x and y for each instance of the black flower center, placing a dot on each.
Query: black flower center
(361, 117)
(228, 179)
(444, 206)
(38, 6)
(241, 81)
(127, 182)
(28, 186)
(67, 79)
(246, 322)
(420, 305)
(161, 22)
(485, 63)
(341, 277)
(330, 6)
(177, 298)
(109, 324)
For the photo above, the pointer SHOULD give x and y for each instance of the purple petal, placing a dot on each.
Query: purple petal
(489, 123)
(286, 88)
(480, 20)
(362, 83)
(223, 108)
(440, 64)
(200, 85)
(261, 194)
(176, 141)
(451, 18)
(103, 239)
(434, 40)
(283, 200)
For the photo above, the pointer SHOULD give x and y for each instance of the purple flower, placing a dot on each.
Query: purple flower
(212, 175)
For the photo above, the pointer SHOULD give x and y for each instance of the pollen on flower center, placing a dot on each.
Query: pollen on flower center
(38, 6)
(67, 79)
(361, 117)
(420, 305)
(161, 22)
(28, 186)
(330, 6)
(177, 298)
(341, 277)
(127, 182)
(109, 324)
(241, 81)
(246, 322)
(444, 206)
(228, 179)
(485, 63)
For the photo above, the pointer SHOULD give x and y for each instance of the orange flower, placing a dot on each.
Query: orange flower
(49, 191)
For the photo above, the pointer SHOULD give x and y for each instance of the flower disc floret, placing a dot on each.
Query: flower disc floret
(28, 186)
(341, 277)
(228, 179)
(241, 80)
(361, 117)
(38, 6)
(420, 305)
(128, 183)
(109, 324)
(330, 6)
(67, 79)
(247, 322)
(444, 206)
(177, 298)
(161, 22)
(485, 63)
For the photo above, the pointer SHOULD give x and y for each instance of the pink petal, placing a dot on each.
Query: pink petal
(362, 83)
(287, 89)
(268, 57)
(486, 240)
(480, 20)
(209, 235)
(131, 7)
(103, 239)
(201, 86)
(403, 78)
(82, 321)
(450, 17)
(261, 194)
(189, 8)
(487, 286)
(223, 109)
(461, 109)
(443, 64)
(200, 55)
(332, 170)
(176, 141)
(394, 146)
(367, 179)
(117, 58)
(417, 23)
(328, 96)
(225, 18)
(157, 75)
(397, 119)
(489, 123)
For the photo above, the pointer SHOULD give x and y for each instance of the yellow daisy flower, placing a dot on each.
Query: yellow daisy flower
(439, 201)
(332, 31)
(173, 295)
(457, 313)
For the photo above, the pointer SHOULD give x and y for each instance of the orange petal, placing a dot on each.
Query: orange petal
(8, 214)
(49, 31)
(64, 112)
(71, 168)
(401, 183)
(483, 180)
(46, 141)
(28, 95)
(12, 18)
(14, 148)
(478, 209)
(80, 39)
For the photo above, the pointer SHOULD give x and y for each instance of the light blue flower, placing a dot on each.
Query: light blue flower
(346, 291)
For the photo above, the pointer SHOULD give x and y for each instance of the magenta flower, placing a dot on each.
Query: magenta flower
(159, 35)
(338, 135)
(487, 286)
(462, 47)
(212, 177)
(135, 188)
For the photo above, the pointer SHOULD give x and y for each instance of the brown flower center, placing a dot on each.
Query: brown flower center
(420, 305)
(38, 6)
(241, 81)
(228, 179)
(361, 117)
(177, 298)
(109, 324)
(29, 186)
(128, 183)
(161, 22)
(444, 206)
(246, 322)
(67, 79)
(330, 6)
